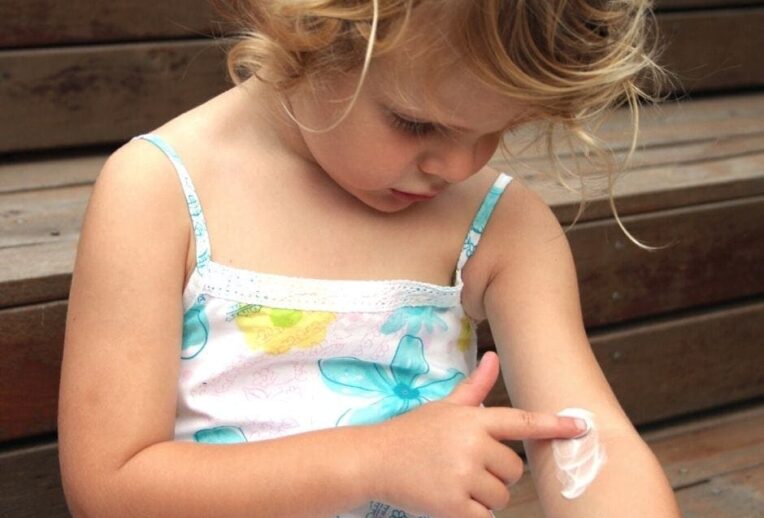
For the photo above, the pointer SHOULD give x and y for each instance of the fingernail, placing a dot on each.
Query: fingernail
(582, 426)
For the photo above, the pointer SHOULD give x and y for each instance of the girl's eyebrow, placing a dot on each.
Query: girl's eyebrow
(403, 112)
(437, 124)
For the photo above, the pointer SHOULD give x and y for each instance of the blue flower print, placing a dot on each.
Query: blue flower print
(196, 330)
(221, 435)
(413, 318)
(469, 245)
(397, 388)
(380, 510)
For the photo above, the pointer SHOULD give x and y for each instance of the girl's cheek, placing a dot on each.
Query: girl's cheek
(486, 147)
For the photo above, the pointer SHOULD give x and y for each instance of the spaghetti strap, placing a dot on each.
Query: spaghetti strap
(201, 238)
(481, 220)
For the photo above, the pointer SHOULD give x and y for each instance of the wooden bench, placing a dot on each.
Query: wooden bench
(677, 332)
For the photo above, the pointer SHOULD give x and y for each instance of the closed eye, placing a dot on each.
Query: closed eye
(411, 127)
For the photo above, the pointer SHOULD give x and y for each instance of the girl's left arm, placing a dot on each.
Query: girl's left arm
(532, 304)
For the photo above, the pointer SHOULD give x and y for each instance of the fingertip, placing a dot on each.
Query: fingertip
(580, 419)
(576, 427)
(488, 358)
(582, 426)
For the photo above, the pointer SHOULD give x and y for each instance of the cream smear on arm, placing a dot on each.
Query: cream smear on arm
(578, 460)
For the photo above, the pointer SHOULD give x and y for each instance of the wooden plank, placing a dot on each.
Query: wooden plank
(664, 5)
(715, 49)
(44, 216)
(731, 496)
(668, 367)
(710, 447)
(31, 341)
(48, 22)
(88, 95)
(36, 273)
(674, 127)
(724, 449)
(49, 172)
(30, 483)
(660, 178)
(715, 255)
(656, 369)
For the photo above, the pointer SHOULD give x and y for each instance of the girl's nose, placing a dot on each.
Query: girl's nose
(452, 165)
(455, 161)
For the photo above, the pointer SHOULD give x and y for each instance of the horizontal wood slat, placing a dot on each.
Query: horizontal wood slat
(37, 23)
(706, 262)
(84, 95)
(36, 273)
(659, 178)
(668, 367)
(714, 50)
(662, 5)
(34, 217)
(30, 483)
(38, 173)
(75, 96)
(729, 496)
(31, 340)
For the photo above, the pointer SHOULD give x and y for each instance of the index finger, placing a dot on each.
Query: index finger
(515, 424)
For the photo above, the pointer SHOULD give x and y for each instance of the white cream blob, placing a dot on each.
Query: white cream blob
(578, 460)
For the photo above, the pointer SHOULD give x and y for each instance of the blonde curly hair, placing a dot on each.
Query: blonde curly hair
(570, 61)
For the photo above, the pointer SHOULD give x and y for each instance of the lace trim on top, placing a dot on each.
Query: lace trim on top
(306, 294)
(282, 291)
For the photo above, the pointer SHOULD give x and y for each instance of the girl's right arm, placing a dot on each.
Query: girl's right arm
(118, 396)
(120, 369)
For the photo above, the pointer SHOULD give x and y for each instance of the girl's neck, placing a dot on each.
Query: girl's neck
(272, 122)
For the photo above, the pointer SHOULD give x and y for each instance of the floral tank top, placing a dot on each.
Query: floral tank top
(265, 356)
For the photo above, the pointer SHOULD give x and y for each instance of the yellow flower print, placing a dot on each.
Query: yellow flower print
(465, 336)
(277, 331)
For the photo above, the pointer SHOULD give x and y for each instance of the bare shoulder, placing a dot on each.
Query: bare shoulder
(522, 232)
(138, 187)
(142, 169)
(523, 215)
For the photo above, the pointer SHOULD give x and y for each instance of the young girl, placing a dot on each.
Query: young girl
(274, 304)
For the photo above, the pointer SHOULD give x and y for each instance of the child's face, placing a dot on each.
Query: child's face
(386, 147)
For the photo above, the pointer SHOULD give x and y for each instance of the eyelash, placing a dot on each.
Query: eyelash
(418, 129)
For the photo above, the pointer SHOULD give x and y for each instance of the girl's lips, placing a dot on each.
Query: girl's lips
(409, 196)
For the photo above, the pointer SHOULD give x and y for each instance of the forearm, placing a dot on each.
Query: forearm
(630, 484)
(306, 475)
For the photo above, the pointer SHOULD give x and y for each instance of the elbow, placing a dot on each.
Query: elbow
(82, 497)
(89, 491)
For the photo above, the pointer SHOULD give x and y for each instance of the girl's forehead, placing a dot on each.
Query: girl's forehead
(443, 91)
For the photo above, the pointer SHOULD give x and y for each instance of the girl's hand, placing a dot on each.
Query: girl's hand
(445, 458)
